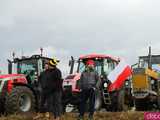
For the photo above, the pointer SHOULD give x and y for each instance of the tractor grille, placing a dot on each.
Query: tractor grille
(68, 88)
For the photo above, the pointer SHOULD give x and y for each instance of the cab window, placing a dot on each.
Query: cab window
(109, 65)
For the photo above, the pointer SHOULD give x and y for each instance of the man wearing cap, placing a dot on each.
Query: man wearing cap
(88, 84)
(54, 89)
(51, 84)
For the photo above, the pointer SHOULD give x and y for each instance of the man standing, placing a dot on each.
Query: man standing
(51, 91)
(42, 93)
(42, 84)
(88, 84)
(54, 89)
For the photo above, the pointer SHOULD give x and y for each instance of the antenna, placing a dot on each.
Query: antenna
(22, 53)
(150, 58)
(41, 49)
(13, 55)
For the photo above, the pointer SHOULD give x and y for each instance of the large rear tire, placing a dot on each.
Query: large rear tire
(121, 102)
(20, 100)
(98, 100)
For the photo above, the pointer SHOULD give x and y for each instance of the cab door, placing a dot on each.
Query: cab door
(108, 66)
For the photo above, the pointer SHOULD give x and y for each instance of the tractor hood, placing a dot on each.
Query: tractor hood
(71, 80)
(10, 79)
(10, 76)
(73, 77)
(17, 78)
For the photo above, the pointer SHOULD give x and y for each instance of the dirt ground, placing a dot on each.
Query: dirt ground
(73, 116)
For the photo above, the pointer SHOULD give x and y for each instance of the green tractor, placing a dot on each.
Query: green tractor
(19, 90)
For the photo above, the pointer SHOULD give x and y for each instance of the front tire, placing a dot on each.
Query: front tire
(20, 100)
(98, 100)
(121, 106)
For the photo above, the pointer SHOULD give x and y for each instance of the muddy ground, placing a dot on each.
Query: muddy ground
(73, 116)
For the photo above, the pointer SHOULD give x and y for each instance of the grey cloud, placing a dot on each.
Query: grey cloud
(122, 28)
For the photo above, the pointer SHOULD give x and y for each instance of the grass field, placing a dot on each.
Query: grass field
(98, 116)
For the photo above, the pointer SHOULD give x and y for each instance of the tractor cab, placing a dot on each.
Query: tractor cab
(31, 67)
(104, 64)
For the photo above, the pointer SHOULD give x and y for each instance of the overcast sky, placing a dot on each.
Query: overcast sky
(123, 28)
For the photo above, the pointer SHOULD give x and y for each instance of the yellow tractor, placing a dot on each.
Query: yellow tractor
(146, 82)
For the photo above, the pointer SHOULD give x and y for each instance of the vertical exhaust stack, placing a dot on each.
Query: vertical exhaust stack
(13, 55)
(41, 49)
(9, 67)
(150, 58)
(71, 64)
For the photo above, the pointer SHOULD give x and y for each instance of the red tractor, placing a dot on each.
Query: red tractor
(113, 96)
(19, 89)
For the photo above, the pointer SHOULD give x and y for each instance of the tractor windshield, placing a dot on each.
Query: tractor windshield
(102, 66)
(28, 68)
(98, 66)
(81, 67)
(155, 62)
(143, 63)
(108, 66)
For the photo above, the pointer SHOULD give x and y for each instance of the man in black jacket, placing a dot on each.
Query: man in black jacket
(51, 85)
(53, 88)
(42, 81)
(88, 83)
(42, 94)
(55, 83)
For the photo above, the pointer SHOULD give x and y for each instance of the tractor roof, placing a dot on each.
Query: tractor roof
(32, 57)
(155, 59)
(90, 56)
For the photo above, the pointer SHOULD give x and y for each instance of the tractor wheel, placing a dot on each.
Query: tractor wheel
(121, 105)
(98, 100)
(21, 99)
(141, 105)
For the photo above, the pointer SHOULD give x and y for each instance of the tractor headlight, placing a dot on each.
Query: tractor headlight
(152, 81)
(105, 85)
(126, 83)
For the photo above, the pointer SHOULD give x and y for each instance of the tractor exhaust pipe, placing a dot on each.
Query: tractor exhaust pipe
(71, 63)
(150, 58)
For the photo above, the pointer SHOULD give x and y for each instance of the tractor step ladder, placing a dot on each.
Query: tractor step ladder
(106, 97)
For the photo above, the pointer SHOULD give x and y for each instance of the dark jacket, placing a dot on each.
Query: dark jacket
(51, 80)
(89, 79)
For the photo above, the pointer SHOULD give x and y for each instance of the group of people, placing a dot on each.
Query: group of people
(50, 82)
